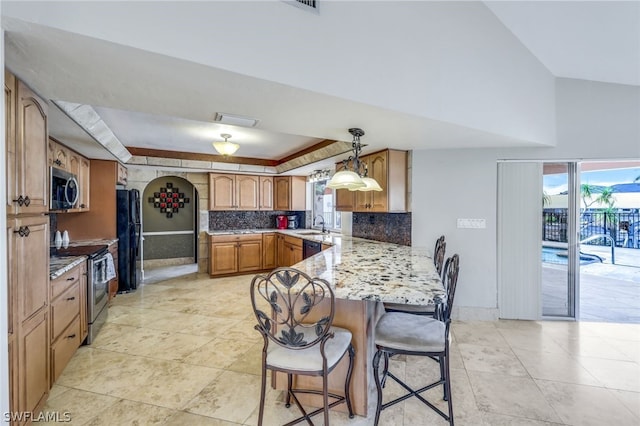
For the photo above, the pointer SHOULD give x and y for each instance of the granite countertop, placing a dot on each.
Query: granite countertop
(361, 269)
(93, 242)
(59, 265)
(331, 238)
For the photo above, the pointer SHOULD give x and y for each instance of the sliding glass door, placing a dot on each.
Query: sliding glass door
(559, 248)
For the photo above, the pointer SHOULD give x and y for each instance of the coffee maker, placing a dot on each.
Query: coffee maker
(281, 222)
(292, 221)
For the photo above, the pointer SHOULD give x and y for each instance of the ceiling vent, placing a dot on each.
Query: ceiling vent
(235, 120)
(310, 5)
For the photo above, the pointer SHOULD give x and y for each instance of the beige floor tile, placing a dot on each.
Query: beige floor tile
(491, 359)
(249, 362)
(232, 397)
(481, 333)
(614, 374)
(593, 346)
(631, 400)
(530, 338)
(181, 418)
(575, 404)
(515, 396)
(171, 384)
(275, 411)
(492, 419)
(78, 406)
(57, 390)
(221, 353)
(560, 367)
(125, 412)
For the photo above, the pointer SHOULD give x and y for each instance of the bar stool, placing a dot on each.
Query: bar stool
(438, 260)
(407, 334)
(296, 344)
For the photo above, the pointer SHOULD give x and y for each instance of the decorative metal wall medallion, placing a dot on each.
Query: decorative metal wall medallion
(169, 200)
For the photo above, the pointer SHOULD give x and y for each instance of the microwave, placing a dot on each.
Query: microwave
(64, 189)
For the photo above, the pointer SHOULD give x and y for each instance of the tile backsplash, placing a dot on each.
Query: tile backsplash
(222, 220)
(387, 227)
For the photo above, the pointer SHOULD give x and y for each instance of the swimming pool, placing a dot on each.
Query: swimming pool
(558, 256)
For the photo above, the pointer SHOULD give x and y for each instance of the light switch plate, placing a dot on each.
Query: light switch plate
(472, 223)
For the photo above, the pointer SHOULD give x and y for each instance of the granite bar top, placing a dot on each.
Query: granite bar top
(361, 269)
(59, 265)
(330, 238)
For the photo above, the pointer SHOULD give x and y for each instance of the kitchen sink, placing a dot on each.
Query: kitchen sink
(312, 233)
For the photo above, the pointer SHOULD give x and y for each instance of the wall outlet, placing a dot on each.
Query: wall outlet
(472, 223)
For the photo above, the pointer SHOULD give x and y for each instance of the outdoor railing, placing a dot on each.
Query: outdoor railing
(622, 227)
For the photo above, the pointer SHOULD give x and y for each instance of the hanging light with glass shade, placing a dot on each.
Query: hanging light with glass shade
(354, 179)
(226, 147)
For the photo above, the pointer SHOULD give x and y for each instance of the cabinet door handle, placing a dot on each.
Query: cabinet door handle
(71, 336)
(20, 201)
(71, 298)
(23, 231)
(27, 201)
(71, 278)
(57, 162)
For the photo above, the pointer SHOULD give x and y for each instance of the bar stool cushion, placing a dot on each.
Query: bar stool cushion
(413, 309)
(310, 359)
(412, 333)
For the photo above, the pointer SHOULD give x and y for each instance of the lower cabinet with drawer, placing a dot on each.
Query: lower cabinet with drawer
(231, 254)
(67, 317)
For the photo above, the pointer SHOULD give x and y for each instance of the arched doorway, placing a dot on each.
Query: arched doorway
(169, 226)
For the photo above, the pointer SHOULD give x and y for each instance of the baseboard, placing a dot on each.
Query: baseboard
(468, 313)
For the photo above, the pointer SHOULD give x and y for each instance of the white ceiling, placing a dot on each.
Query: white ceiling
(584, 40)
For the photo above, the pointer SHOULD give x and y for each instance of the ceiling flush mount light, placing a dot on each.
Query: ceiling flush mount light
(354, 179)
(226, 147)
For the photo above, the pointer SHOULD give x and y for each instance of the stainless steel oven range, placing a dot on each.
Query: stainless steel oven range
(97, 283)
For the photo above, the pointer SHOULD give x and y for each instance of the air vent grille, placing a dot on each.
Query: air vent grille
(308, 5)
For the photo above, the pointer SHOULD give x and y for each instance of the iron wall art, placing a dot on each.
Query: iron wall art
(169, 200)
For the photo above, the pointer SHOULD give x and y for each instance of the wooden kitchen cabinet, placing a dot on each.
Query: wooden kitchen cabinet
(26, 149)
(234, 192)
(280, 256)
(389, 169)
(66, 315)
(33, 363)
(266, 193)
(289, 192)
(65, 158)
(103, 179)
(230, 254)
(292, 251)
(269, 251)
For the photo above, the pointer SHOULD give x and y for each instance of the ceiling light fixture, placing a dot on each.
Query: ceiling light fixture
(226, 147)
(355, 179)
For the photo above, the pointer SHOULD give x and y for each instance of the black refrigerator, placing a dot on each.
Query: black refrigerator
(128, 227)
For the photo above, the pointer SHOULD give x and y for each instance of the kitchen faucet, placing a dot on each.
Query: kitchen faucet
(322, 223)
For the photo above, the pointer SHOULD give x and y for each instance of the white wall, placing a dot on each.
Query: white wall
(595, 121)
(450, 61)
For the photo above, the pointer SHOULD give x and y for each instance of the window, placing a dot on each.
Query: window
(323, 205)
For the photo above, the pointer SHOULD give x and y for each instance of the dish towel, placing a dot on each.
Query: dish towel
(111, 268)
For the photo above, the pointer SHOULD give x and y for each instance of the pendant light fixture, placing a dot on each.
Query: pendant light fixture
(226, 147)
(354, 179)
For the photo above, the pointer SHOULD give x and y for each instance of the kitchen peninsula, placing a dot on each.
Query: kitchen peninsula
(362, 274)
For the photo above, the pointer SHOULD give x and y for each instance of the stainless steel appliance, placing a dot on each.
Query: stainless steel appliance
(97, 283)
(64, 189)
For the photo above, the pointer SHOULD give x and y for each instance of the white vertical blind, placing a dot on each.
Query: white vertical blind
(519, 236)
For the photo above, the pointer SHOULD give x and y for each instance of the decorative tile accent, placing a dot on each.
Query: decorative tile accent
(386, 227)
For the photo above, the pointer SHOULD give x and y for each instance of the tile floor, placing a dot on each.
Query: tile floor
(184, 351)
